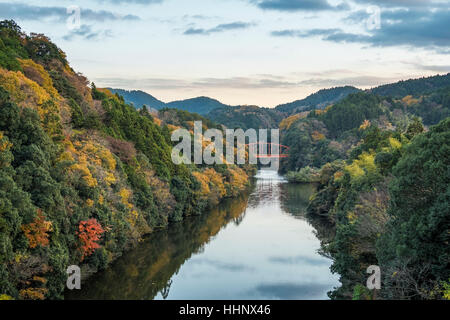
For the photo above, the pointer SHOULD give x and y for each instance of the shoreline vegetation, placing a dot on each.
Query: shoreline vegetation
(383, 184)
(304, 175)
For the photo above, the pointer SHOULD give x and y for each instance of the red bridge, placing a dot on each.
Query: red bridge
(265, 150)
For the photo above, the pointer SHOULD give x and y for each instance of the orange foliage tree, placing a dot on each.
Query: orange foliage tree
(89, 232)
(317, 136)
(37, 231)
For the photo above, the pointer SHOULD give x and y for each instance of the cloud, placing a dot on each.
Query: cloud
(29, 12)
(227, 266)
(326, 79)
(403, 3)
(258, 82)
(219, 28)
(356, 81)
(86, 32)
(294, 80)
(298, 5)
(244, 83)
(132, 1)
(292, 291)
(433, 68)
(414, 28)
(299, 260)
(304, 33)
(197, 17)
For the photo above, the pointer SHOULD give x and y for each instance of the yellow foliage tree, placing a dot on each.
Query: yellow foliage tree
(394, 143)
(203, 179)
(364, 125)
(359, 167)
(216, 180)
(317, 136)
(23, 91)
(287, 122)
(37, 73)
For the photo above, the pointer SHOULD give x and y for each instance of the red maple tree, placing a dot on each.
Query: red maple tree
(89, 232)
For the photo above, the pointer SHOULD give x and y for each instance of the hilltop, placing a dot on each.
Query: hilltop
(200, 105)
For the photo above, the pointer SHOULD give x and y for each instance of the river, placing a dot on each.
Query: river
(257, 246)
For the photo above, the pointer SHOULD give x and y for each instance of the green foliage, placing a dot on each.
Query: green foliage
(360, 292)
(184, 119)
(416, 241)
(200, 105)
(309, 145)
(413, 86)
(354, 196)
(414, 128)
(318, 100)
(351, 112)
(78, 120)
(123, 122)
(40, 49)
(11, 48)
(139, 98)
(304, 175)
(26, 183)
(433, 107)
(64, 87)
(246, 117)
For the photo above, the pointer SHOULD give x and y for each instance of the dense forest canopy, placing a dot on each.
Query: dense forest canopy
(382, 166)
(246, 117)
(318, 100)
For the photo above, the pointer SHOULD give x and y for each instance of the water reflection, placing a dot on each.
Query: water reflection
(257, 246)
(295, 198)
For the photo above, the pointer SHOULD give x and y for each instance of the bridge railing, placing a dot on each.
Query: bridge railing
(267, 149)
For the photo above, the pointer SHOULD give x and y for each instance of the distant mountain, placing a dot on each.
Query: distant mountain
(413, 87)
(139, 98)
(318, 100)
(200, 105)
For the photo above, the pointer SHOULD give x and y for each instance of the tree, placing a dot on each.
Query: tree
(414, 128)
(89, 232)
(37, 231)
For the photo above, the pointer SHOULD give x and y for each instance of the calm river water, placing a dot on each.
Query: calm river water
(257, 246)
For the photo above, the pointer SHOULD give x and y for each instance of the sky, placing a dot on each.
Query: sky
(254, 52)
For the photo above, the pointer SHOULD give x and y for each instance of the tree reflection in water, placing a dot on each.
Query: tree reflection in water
(275, 243)
(160, 256)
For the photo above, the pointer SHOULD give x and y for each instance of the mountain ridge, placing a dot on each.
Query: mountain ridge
(317, 100)
(201, 105)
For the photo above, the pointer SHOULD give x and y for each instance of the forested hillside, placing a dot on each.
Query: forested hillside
(139, 98)
(200, 105)
(84, 176)
(318, 100)
(246, 117)
(321, 136)
(414, 87)
(382, 166)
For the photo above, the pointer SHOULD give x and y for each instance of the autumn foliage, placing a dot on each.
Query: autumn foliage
(89, 232)
(92, 164)
(37, 231)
